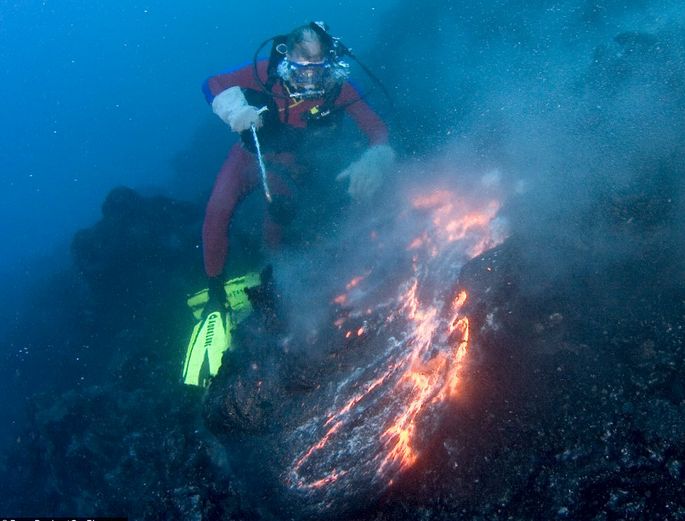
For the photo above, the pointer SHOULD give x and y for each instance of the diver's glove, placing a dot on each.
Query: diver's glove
(234, 110)
(367, 173)
(217, 299)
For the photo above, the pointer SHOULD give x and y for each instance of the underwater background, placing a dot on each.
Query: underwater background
(100, 95)
(96, 96)
(572, 113)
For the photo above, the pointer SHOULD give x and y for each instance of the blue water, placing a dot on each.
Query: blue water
(100, 94)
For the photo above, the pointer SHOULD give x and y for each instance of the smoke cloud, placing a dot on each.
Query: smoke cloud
(572, 114)
(578, 104)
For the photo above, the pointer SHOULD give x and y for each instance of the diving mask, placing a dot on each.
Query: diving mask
(309, 80)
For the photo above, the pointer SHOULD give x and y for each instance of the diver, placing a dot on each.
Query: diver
(290, 108)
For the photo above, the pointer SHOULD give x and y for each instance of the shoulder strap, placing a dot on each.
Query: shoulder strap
(329, 99)
(275, 59)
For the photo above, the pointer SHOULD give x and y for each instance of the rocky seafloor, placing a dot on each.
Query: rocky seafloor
(572, 402)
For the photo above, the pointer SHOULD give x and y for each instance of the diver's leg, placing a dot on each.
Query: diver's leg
(236, 178)
(273, 222)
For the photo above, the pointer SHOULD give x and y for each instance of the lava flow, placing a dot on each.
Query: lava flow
(415, 345)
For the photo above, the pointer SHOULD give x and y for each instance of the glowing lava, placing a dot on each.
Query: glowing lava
(427, 379)
(456, 219)
(423, 342)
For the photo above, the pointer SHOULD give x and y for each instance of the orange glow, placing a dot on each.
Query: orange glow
(427, 381)
(455, 219)
(459, 301)
(436, 198)
(425, 357)
(343, 298)
(416, 243)
(354, 282)
(423, 380)
(327, 480)
(340, 299)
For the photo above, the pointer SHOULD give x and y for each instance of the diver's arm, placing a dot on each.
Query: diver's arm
(242, 77)
(366, 119)
(225, 92)
(366, 175)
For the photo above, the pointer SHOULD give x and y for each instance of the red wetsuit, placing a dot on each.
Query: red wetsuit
(239, 174)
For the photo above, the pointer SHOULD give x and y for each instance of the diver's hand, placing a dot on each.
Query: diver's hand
(246, 117)
(366, 174)
(234, 110)
(217, 298)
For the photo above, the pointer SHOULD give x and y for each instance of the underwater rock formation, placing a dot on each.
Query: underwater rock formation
(573, 405)
(570, 405)
(112, 430)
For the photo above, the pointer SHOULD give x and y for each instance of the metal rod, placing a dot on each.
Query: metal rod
(262, 167)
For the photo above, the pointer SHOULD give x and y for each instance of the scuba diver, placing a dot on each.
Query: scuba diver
(288, 110)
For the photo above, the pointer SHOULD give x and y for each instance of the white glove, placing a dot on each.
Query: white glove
(366, 174)
(233, 109)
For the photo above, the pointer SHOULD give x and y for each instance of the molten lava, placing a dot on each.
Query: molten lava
(422, 341)
(456, 219)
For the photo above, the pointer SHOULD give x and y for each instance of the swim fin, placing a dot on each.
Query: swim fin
(210, 338)
(211, 335)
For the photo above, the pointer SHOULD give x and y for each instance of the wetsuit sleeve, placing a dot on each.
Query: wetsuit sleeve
(235, 180)
(242, 77)
(368, 121)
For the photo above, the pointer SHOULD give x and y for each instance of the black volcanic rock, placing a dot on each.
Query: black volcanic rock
(110, 451)
(572, 404)
(572, 407)
(139, 245)
(113, 431)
